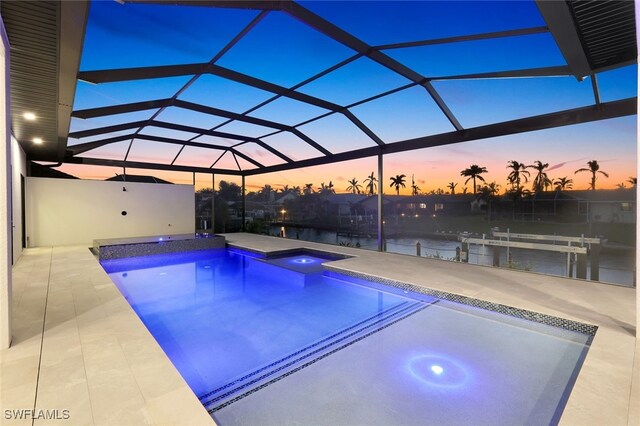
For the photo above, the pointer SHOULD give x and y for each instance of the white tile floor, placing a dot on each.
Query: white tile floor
(97, 359)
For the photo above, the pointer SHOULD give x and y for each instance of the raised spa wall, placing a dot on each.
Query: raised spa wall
(116, 248)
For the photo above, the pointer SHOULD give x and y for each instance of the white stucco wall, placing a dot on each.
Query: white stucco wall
(5, 194)
(67, 211)
(18, 168)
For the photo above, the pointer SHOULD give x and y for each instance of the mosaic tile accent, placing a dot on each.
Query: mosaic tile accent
(366, 323)
(119, 251)
(566, 324)
(313, 360)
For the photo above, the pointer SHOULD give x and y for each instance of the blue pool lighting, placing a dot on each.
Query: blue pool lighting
(437, 371)
(282, 322)
(303, 260)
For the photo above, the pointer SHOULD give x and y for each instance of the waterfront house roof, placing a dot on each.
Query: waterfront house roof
(136, 178)
(604, 195)
(345, 198)
(39, 170)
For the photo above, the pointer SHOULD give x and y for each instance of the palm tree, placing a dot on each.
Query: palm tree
(473, 172)
(491, 189)
(452, 187)
(594, 169)
(563, 183)
(415, 190)
(266, 193)
(296, 190)
(518, 173)
(371, 184)
(541, 181)
(326, 189)
(633, 180)
(354, 187)
(621, 186)
(308, 189)
(398, 181)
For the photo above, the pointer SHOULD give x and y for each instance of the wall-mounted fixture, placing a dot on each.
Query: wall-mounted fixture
(29, 116)
(37, 141)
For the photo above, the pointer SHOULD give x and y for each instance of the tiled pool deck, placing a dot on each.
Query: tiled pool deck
(97, 360)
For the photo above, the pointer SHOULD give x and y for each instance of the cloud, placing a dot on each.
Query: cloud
(557, 166)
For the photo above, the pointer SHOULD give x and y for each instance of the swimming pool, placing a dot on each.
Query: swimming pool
(278, 340)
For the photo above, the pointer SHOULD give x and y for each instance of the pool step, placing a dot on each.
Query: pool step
(277, 370)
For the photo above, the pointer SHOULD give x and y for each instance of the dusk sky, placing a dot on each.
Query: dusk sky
(283, 51)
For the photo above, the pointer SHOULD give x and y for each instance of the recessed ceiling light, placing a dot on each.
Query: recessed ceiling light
(37, 141)
(29, 116)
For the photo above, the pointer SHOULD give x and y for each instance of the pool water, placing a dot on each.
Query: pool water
(260, 341)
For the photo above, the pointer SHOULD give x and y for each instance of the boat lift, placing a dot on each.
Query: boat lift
(583, 246)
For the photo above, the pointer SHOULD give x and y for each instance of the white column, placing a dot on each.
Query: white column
(380, 204)
(5, 196)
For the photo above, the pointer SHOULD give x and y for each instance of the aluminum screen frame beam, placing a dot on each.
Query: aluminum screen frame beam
(163, 103)
(338, 34)
(162, 124)
(471, 37)
(82, 148)
(149, 166)
(604, 111)
(557, 71)
(143, 73)
(343, 37)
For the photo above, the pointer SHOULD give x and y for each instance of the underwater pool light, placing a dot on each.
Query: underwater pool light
(436, 369)
(304, 260)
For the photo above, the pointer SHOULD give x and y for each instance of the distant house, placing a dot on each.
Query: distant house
(450, 205)
(137, 178)
(391, 203)
(344, 204)
(286, 197)
(607, 206)
(611, 206)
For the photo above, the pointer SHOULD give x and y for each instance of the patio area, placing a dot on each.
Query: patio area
(79, 346)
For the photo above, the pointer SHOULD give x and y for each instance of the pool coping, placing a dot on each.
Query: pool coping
(566, 324)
